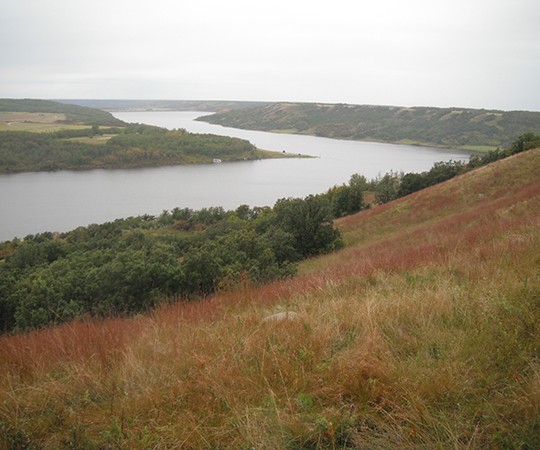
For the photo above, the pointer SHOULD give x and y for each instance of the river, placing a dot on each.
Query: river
(60, 201)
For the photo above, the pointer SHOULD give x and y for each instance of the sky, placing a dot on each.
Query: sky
(462, 53)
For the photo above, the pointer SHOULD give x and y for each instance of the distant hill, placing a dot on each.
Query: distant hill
(462, 128)
(167, 105)
(75, 114)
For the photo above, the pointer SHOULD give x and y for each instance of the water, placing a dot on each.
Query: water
(60, 201)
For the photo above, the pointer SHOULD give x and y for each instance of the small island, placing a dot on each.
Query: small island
(41, 135)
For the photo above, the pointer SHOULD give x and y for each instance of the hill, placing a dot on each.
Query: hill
(164, 105)
(423, 332)
(461, 128)
(73, 114)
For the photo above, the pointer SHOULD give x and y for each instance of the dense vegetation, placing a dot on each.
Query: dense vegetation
(128, 265)
(446, 127)
(423, 332)
(74, 113)
(127, 147)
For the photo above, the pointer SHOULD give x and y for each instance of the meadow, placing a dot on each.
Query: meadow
(36, 122)
(423, 332)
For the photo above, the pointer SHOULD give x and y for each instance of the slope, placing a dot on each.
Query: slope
(73, 114)
(422, 333)
(464, 128)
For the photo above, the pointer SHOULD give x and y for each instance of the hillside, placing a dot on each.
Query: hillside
(72, 114)
(423, 332)
(164, 105)
(461, 128)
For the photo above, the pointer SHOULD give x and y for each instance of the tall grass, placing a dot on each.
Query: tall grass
(422, 333)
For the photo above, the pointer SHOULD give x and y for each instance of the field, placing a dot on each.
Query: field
(94, 140)
(35, 122)
(423, 332)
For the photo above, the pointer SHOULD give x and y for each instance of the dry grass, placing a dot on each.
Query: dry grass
(93, 140)
(422, 333)
(35, 122)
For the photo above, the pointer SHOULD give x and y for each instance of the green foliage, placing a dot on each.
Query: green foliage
(132, 146)
(348, 198)
(127, 266)
(387, 187)
(446, 127)
(309, 222)
(526, 141)
(394, 185)
(441, 171)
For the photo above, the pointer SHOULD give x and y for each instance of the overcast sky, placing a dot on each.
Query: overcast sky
(469, 53)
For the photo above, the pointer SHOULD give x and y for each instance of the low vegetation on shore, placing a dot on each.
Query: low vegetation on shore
(422, 332)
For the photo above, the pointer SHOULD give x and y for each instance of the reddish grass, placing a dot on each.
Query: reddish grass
(38, 350)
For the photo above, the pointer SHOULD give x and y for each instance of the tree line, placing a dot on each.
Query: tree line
(394, 185)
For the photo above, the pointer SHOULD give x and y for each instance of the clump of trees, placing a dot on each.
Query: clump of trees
(394, 185)
(127, 266)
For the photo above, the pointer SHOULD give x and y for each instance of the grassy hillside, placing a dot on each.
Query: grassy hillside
(70, 114)
(423, 332)
(462, 128)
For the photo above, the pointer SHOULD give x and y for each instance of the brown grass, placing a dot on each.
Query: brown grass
(35, 122)
(422, 333)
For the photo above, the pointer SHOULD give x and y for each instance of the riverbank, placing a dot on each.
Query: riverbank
(477, 130)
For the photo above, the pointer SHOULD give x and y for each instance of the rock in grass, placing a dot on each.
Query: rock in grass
(281, 316)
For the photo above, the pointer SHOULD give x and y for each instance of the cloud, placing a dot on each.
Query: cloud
(481, 53)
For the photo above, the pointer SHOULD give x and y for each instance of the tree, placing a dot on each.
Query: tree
(309, 221)
(387, 187)
(526, 141)
(411, 182)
